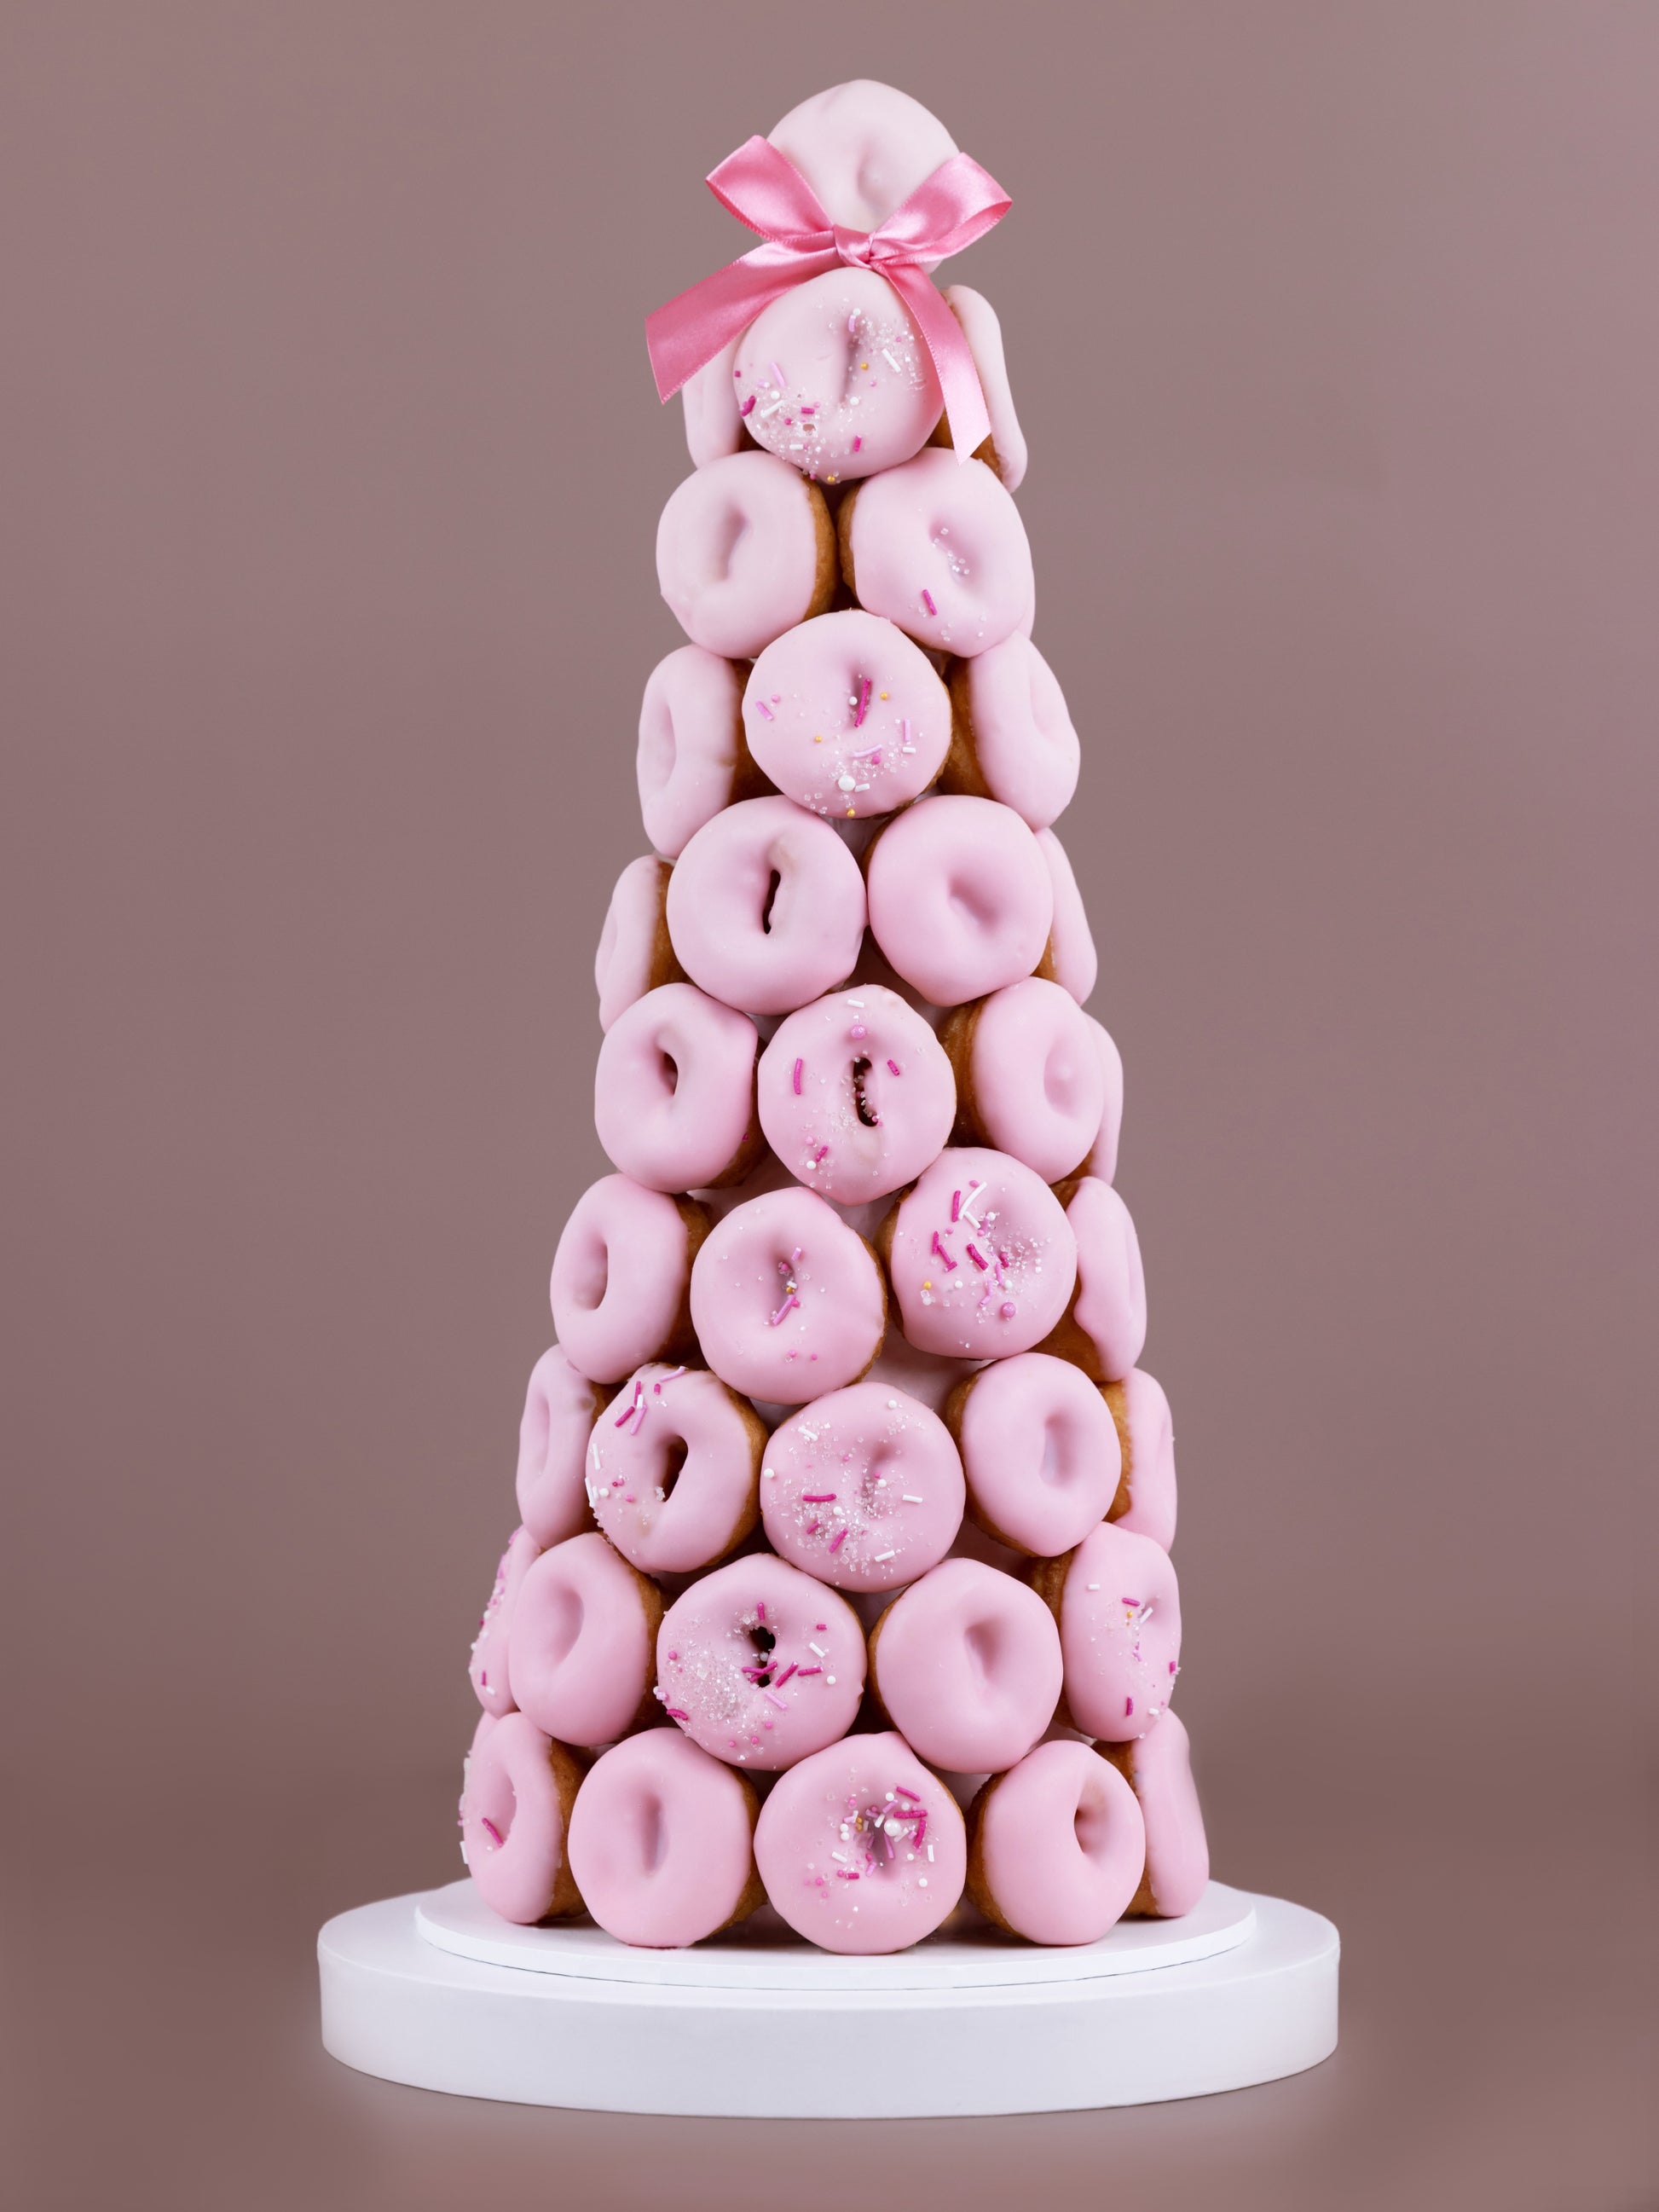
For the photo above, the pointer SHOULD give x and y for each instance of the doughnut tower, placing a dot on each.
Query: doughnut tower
(841, 1586)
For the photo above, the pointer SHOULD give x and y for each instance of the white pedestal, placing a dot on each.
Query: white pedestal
(761, 2026)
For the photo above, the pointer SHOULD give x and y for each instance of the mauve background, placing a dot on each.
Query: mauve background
(332, 468)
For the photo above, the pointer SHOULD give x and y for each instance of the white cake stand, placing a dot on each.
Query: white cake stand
(438, 1992)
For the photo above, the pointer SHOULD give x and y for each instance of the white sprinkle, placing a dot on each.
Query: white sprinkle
(770, 1473)
(930, 1851)
(888, 358)
(922, 1882)
(880, 1556)
(909, 1498)
(846, 782)
(892, 1405)
(1094, 1585)
(830, 1679)
(817, 1650)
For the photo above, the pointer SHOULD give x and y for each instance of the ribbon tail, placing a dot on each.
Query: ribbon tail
(689, 329)
(964, 396)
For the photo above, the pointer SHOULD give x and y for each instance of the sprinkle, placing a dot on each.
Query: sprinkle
(904, 732)
(951, 1265)
(857, 444)
(858, 1030)
(760, 1612)
(974, 1199)
(675, 1714)
(791, 1300)
(799, 1064)
(1131, 1602)
(829, 1681)
(864, 704)
(852, 323)
(822, 1152)
(817, 1497)
(812, 1527)
(1172, 1666)
(492, 1831)
(973, 1253)
(809, 410)
(817, 1649)
(1128, 1707)
(887, 356)
(781, 1706)
(909, 1498)
(790, 1669)
(762, 708)
(928, 601)
(838, 1540)
(1094, 1585)
(778, 377)
(955, 1204)
(805, 1671)
(880, 1556)
(748, 406)
(843, 1873)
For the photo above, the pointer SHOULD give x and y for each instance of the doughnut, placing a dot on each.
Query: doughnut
(692, 760)
(713, 427)
(1039, 1450)
(662, 1842)
(847, 716)
(856, 1094)
(766, 906)
(1119, 1609)
(621, 1277)
(583, 1656)
(787, 1301)
(1011, 738)
(1103, 1153)
(1056, 1846)
(673, 1466)
(960, 901)
(1070, 959)
(981, 1256)
(937, 545)
(1005, 450)
(635, 954)
(486, 1668)
(1103, 1328)
(560, 1408)
(674, 1090)
(1146, 1498)
(759, 1664)
(746, 550)
(863, 1489)
(1030, 1075)
(1158, 1769)
(834, 377)
(862, 1848)
(966, 1667)
(515, 1808)
(863, 148)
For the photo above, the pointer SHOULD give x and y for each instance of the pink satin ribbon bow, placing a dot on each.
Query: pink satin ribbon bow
(948, 210)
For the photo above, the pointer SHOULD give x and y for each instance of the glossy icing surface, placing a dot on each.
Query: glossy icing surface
(1030, 1075)
(1013, 738)
(1146, 1500)
(1102, 1154)
(661, 1842)
(1039, 1450)
(833, 378)
(674, 1089)
(744, 550)
(634, 953)
(560, 1408)
(583, 1652)
(1106, 1327)
(620, 1276)
(856, 1095)
(786, 1300)
(690, 747)
(672, 1464)
(939, 548)
(864, 148)
(847, 716)
(1158, 1768)
(766, 906)
(863, 1488)
(520, 1788)
(981, 1256)
(761, 1664)
(960, 901)
(1072, 959)
(967, 1664)
(1059, 1845)
(1120, 1630)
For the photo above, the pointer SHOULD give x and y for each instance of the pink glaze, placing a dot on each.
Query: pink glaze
(661, 1841)
(1146, 1438)
(863, 148)
(1159, 1770)
(981, 1258)
(560, 1408)
(1106, 1329)
(634, 955)
(759, 1664)
(583, 1631)
(487, 1669)
(690, 745)
(512, 1835)
(1034, 1083)
(943, 530)
(674, 1089)
(983, 332)
(1018, 745)
(1061, 1844)
(1040, 1452)
(862, 1848)
(847, 716)
(960, 901)
(741, 553)
(1103, 1153)
(672, 1465)
(1120, 1632)
(713, 427)
(1072, 959)
(766, 906)
(620, 1277)
(863, 1489)
(967, 1664)
(856, 1095)
(787, 1301)
(859, 390)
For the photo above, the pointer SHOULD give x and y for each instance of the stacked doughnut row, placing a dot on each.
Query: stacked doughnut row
(844, 1580)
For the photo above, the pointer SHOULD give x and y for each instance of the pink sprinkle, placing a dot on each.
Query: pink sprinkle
(836, 1541)
(787, 1673)
(1007, 1310)
(484, 1678)
(852, 323)
(799, 1064)
(904, 732)
(822, 1627)
(748, 406)
(858, 1030)
(823, 1153)
(777, 374)
(951, 1265)
(845, 1874)
(857, 444)
(956, 1206)
(759, 1611)
(673, 1376)
(809, 410)
(762, 708)
(779, 1702)
(674, 1655)
(675, 1714)
(1172, 1666)
(973, 1253)
(774, 1319)
(1128, 1601)
(893, 1067)
(864, 704)
(928, 601)
(817, 1497)
(1128, 1707)
(899, 1790)
(813, 1527)
(492, 1831)
(805, 1671)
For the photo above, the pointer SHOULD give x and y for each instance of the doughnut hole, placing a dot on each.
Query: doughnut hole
(967, 1665)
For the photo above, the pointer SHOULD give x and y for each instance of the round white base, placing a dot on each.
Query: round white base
(1242, 1990)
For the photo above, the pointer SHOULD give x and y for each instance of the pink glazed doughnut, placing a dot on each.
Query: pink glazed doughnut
(1011, 738)
(692, 760)
(1039, 1450)
(486, 1668)
(833, 378)
(864, 1489)
(759, 1664)
(515, 1808)
(863, 148)
(862, 1848)
(635, 954)
(673, 1466)
(1145, 1499)
(584, 1642)
(560, 1408)
(960, 901)
(967, 1665)
(856, 1094)
(621, 1277)
(1056, 1846)
(1119, 1609)
(1102, 1154)
(662, 1842)
(939, 548)
(674, 1091)
(787, 1301)
(847, 716)
(1030, 1075)
(746, 550)
(1158, 1769)
(1103, 1328)
(1070, 960)
(766, 906)
(1005, 450)
(981, 1256)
